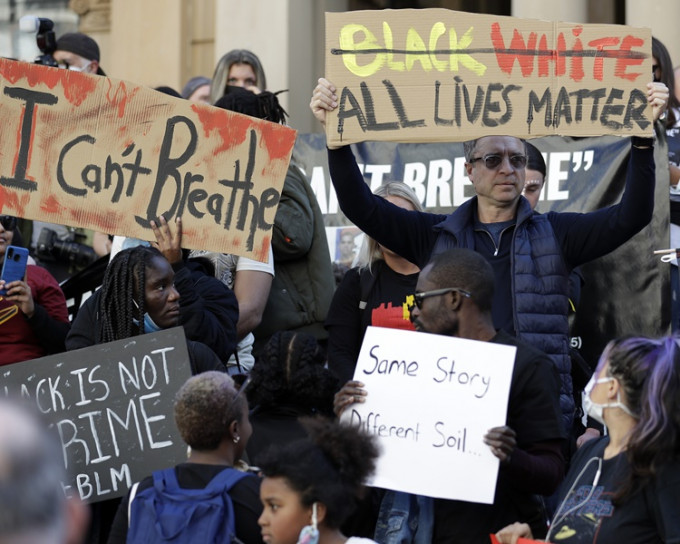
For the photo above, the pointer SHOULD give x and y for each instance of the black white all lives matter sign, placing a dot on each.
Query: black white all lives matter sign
(112, 408)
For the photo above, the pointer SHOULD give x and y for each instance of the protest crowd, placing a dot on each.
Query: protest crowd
(584, 452)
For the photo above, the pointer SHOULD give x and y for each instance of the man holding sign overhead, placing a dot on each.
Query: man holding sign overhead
(453, 298)
(531, 254)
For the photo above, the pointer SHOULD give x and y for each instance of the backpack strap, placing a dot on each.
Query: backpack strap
(226, 479)
(133, 492)
(166, 480)
(222, 483)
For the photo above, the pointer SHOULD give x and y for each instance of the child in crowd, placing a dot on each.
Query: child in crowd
(312, 485)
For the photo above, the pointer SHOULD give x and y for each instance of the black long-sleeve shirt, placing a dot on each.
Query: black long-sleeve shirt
(582, 236)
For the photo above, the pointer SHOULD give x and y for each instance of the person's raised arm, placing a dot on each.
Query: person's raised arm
(584, 237)
(208, 308)
(323, 100)
(407, 233)
(251, 288)
(167, 242)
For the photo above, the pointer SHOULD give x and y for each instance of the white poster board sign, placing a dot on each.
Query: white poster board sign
(431, 399)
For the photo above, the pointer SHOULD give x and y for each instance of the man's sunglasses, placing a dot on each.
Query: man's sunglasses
(8, 222)
(419, 297)
(493, 161)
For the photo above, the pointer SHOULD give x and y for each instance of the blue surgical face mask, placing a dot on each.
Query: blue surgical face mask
(310, 533)
(149, 324)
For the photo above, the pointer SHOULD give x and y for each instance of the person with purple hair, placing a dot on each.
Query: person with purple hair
(625, 486)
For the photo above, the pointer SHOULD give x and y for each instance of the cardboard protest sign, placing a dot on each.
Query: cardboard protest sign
(431, 399)
(112, 406)
(101, 153)
(438, 75)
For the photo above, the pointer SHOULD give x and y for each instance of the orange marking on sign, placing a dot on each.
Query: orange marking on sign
(11, 199)
(77, 87)
(262, 254)
(232, 129)
(51, 205)
(278, 142)
(623, 63)
(118, 96)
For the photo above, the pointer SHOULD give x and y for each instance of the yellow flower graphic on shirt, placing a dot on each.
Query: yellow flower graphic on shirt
(8, 313)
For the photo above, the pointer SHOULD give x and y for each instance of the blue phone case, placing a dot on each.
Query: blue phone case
(14, 265)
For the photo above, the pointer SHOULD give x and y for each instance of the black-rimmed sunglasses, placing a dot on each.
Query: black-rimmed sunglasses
(419, 297)
(493, 161)
(8, 222)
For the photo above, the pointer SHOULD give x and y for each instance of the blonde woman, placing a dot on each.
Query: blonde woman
(378, 292)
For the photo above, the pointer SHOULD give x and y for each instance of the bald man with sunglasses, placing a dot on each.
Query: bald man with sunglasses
(531, 254)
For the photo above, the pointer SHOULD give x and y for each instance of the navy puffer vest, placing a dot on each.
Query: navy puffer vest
(540, 286)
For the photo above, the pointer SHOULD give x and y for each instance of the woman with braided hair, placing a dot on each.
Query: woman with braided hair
(289, 381)
(123, 308)
(312, 485)
(148, 289)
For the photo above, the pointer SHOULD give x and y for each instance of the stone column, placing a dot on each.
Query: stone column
(148, 38)
(95, 21)
(572, 11)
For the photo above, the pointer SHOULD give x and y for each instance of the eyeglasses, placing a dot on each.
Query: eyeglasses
(8, 222)
(493, 161)
(419, 297)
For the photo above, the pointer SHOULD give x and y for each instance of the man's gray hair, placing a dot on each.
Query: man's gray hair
(32, 499)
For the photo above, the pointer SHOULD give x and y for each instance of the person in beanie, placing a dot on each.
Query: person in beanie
(197, 89)
(77, 51)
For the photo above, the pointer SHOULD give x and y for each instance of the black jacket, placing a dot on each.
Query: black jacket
(208, 312)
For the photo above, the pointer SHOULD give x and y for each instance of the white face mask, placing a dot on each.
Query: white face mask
(79, 68)
(595, 410)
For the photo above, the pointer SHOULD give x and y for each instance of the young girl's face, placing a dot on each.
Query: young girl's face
(283, 516)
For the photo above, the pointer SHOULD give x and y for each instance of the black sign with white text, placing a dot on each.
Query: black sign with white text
(111, 406)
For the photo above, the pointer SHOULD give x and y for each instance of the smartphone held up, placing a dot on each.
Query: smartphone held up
(14, 266)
